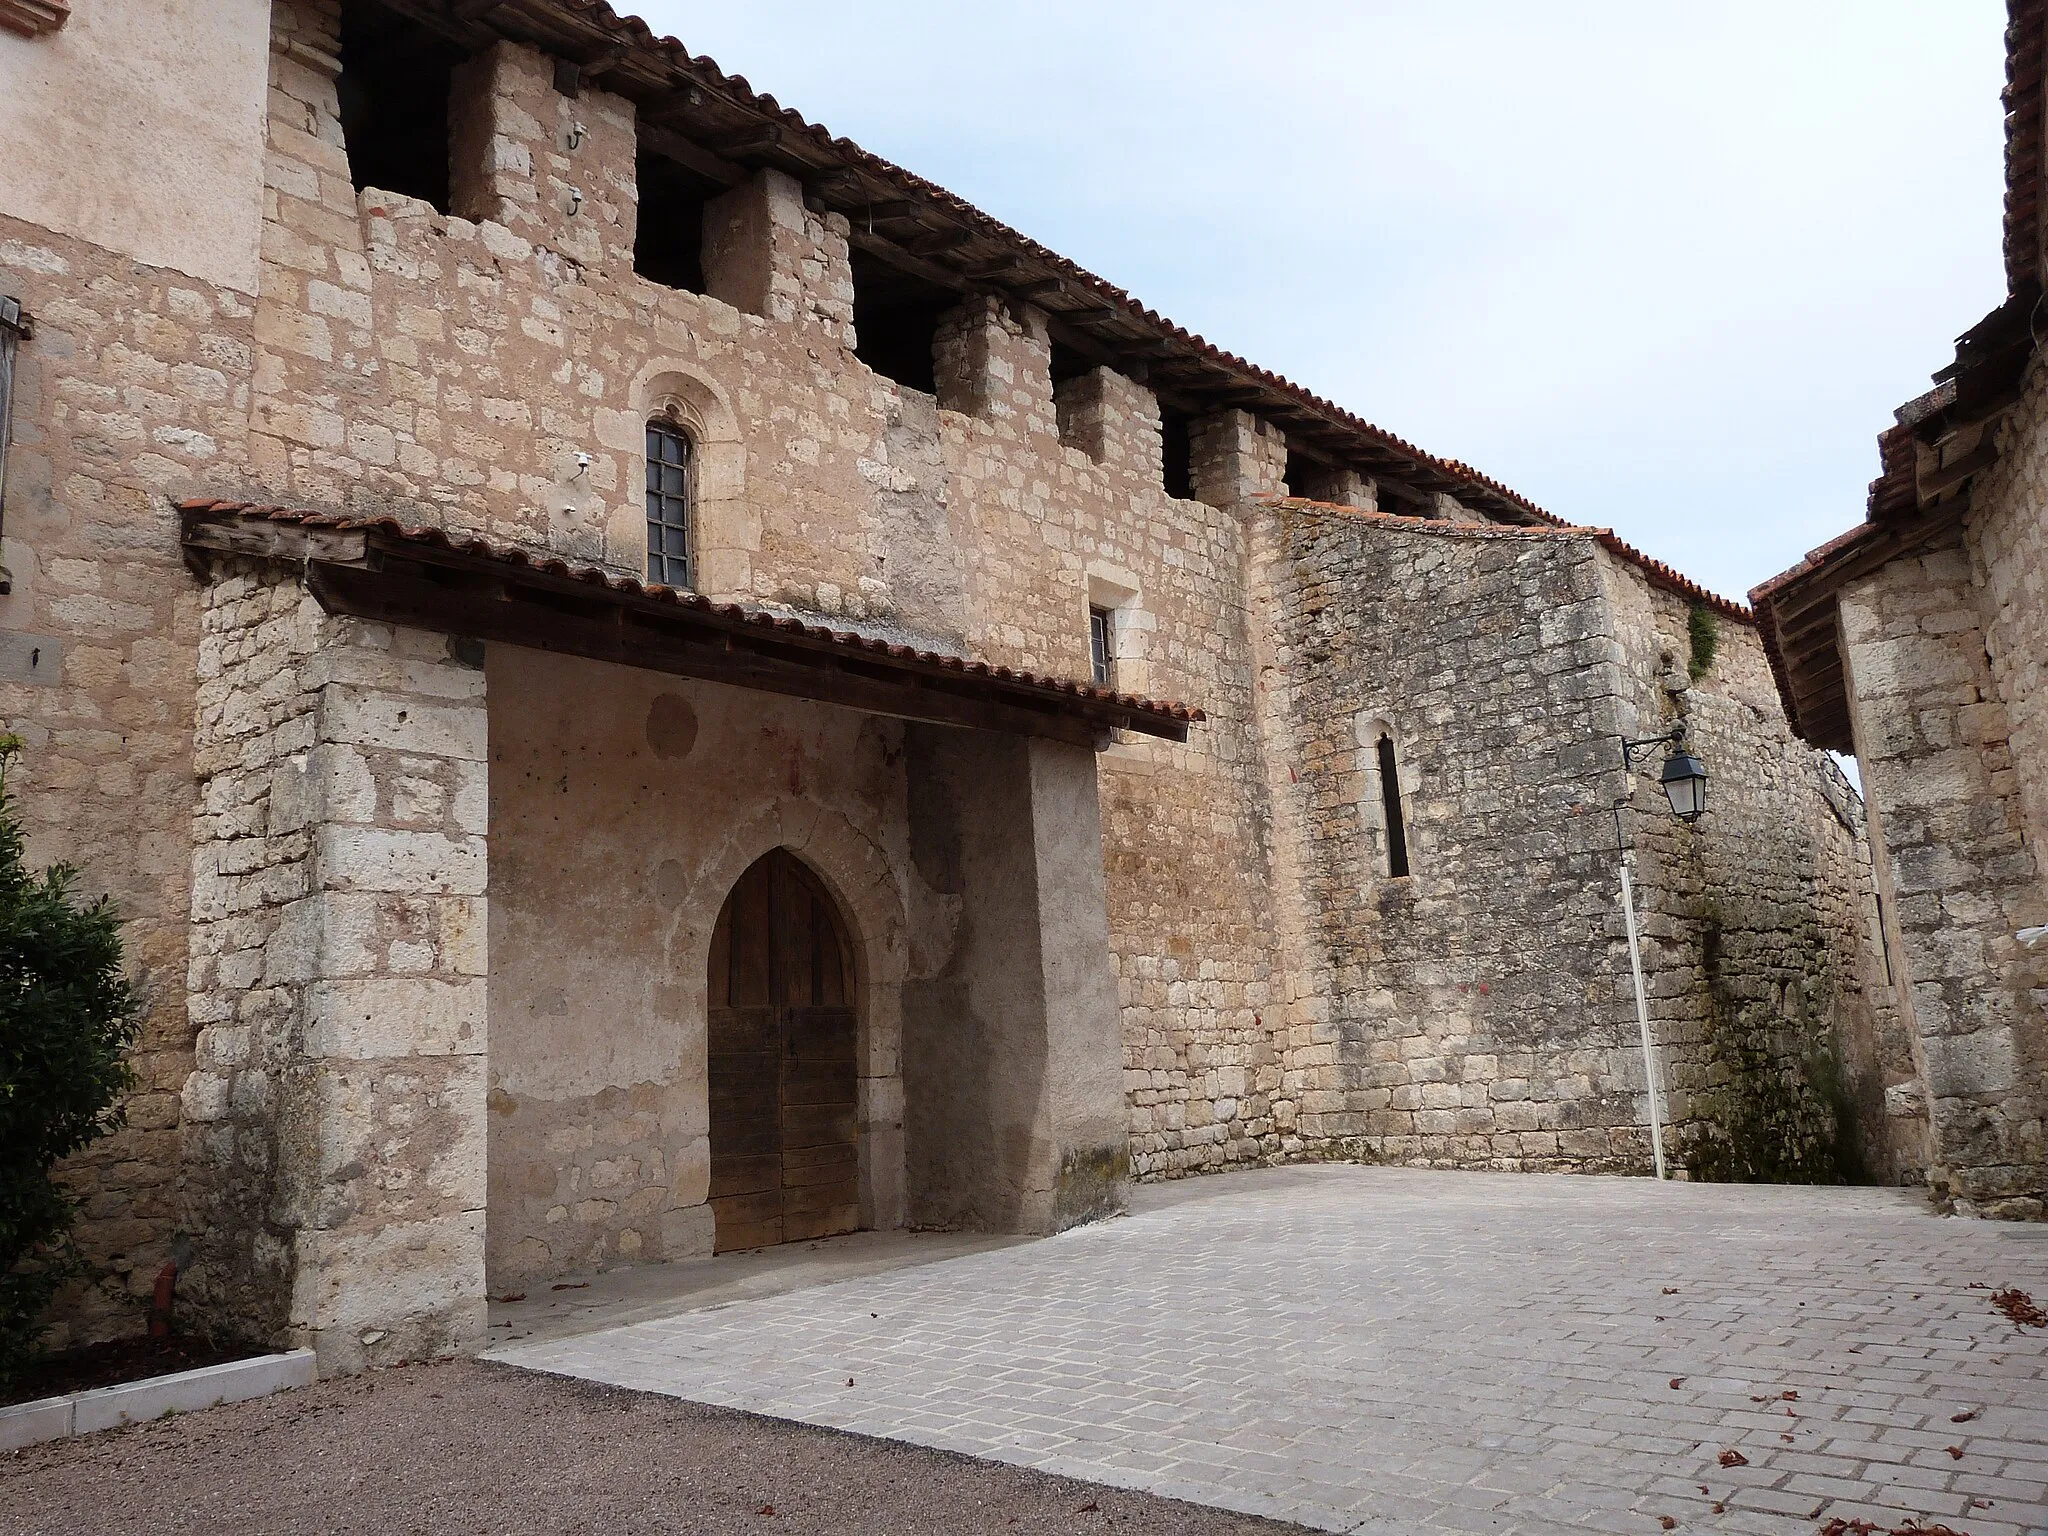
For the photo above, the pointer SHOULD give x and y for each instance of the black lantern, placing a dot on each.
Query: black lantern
(1685, 784)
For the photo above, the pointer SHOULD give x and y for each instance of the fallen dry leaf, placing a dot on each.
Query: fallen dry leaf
(514, 1296)
(1667, 1522)
(1670, 1290)
(1962, 1418)
(1675, 1381)
(1954, 1451)
(765, 1509)
(570, 1285)
(1720, 1508)
(1733, 1458)
(1087, 1509)
(2019, 1306)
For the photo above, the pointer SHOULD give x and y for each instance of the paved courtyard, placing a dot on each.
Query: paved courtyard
(1363, 1349)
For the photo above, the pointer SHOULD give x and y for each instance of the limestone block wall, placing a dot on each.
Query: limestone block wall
(1934, 738)
(1471, 1013)
(2006, 531)
(1478, 1011)
(335, 1114)
(625, 804)
(1785, 1054)
(453, 369)
(135, 383)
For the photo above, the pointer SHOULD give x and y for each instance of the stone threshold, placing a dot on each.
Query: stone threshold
(154, 1397)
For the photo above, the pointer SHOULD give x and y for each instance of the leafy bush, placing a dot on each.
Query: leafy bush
(67, 1019)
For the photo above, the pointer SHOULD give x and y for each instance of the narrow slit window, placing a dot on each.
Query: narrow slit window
(1102, 647)
(1390, 797)
(668, 505)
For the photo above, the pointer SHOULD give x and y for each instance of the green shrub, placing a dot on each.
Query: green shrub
(1703, 629)
(67, 1019)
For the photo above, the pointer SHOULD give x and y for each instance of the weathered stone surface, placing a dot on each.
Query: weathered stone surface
(315, 835)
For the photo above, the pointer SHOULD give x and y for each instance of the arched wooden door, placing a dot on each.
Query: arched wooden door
(785, 1123)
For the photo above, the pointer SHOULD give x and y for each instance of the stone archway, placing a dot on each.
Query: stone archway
(782, 1047)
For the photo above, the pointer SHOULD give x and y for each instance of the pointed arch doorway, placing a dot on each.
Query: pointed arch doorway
(783, 1058)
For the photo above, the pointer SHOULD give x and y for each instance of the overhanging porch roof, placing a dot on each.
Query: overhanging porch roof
(378, 568)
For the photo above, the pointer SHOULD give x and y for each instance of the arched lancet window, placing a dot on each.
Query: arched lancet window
(1390, 798)
(668, 504)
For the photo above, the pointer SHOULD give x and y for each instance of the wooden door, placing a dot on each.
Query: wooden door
(784, 1078)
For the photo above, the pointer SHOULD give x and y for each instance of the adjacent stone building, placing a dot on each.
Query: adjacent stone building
(614, 650)
(1919, 641)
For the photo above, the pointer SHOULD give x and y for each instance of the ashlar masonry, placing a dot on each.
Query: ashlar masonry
(648, 682)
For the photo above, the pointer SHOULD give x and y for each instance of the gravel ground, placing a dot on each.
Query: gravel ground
(469, 1447)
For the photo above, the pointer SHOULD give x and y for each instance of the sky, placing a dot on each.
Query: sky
(1666, 269)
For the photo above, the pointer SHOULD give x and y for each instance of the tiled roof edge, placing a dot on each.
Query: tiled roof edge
(554, 565)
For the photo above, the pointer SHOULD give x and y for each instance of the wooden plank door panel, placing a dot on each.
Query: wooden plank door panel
(744, 1056)
(820, 1122)
(782, 1044)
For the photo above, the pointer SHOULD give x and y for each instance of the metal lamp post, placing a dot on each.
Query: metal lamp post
(1684, 782)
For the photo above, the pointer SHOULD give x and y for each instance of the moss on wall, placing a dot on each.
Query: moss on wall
(1703, 633)
(1774, 1109)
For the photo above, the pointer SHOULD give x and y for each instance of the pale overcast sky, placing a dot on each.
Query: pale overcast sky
(1667, 269)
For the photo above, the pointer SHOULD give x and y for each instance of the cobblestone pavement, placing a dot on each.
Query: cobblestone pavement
(1363, 1349)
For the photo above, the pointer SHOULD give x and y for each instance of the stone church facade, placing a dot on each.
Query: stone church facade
(1918, 640)
(647, 682)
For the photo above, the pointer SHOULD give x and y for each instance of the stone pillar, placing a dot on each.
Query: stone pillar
(338, 976)
(1112, 419)
(1339, 487)
(1933, 741)
(1081, 1152)
(1236, 456)
(1014, 1113)
(765, 252)
(992, 365)
(558, 170)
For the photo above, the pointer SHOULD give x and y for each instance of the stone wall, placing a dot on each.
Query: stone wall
(459, 369)
(624, 806)
(1785, 1054)
(1942, 653)
(1478, 1011)
(135, 385)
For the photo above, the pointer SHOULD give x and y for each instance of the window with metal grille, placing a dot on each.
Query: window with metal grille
(1390, 797)
(668, 504)
(1101, 647)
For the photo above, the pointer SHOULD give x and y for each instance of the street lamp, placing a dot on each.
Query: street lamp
(1684, 782)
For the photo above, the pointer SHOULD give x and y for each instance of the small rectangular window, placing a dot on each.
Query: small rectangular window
(1102, 646)
(668, 241)
(1390, 796)
(393, 93)
(1176, 453)
(668, 505)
